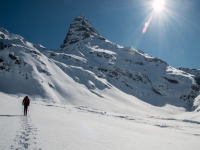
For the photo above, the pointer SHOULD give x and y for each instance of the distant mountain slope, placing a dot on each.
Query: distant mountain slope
(133, 72)
(90, 70)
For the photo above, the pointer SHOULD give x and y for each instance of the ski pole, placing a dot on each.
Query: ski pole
(22, 109)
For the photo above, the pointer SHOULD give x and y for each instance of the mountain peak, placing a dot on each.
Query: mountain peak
(80, 29)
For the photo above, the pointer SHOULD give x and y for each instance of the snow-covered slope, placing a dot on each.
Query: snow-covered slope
(131, 71)
(92, 93)
(89, 70)
(26, 70)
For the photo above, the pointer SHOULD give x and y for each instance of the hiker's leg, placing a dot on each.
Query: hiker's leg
(24, 110)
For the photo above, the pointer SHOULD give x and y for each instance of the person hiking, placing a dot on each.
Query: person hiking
(26, 103)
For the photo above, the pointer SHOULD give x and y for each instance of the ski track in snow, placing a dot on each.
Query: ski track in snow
(127, 117)
(26, 135)
(171, 123)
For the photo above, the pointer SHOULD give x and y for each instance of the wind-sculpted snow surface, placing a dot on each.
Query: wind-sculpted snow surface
(89, 70)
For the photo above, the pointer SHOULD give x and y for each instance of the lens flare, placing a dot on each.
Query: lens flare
(146, 25)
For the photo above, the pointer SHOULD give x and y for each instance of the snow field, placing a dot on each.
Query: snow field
(56, 126)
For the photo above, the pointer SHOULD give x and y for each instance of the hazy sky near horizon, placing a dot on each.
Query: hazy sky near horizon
(173, 34)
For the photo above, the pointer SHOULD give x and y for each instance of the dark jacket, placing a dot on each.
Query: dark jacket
(26, 101)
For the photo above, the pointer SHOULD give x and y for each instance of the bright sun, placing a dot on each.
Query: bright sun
(158, 5)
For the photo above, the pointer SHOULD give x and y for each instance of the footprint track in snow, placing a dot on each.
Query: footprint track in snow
(26, 136)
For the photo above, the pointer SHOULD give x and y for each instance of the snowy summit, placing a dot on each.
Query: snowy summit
(96, 93)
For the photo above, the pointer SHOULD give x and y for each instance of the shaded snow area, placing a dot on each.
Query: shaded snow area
(51, 126)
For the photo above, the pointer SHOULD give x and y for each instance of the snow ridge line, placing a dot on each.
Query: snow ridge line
(129, 117)
(26, 136)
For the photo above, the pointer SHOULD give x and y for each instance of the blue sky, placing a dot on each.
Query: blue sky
(173, 34)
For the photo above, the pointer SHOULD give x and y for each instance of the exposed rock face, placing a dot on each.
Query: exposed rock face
(80, 29)
(195, 88)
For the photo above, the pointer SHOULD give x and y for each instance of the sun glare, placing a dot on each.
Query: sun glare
(158, 5)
